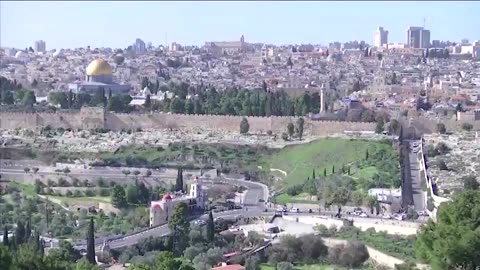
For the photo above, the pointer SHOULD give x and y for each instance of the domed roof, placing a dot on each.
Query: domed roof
(99, 67)
(166, 197)
(58, 53)
(19, 54)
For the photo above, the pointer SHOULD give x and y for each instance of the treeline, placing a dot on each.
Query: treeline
(26, 251)
(70, 100)
(236, 102)
(12, 92)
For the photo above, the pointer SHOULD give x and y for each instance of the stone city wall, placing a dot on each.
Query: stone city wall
(90, 118)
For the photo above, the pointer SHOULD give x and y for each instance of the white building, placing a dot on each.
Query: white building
(40, 46)
(160, 211)
(380, 37)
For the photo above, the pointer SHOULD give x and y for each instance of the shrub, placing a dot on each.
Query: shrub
(284, 266)
(353, 254)
(467, 126)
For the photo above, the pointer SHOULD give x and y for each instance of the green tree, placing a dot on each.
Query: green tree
(91, 243)
(290, 130)
(299, 127)
(119, 103)
(177, 105)
(7, 98)
(325, 172)
(313, 174)
(452, 242)
(179, 180)
(357, 197)
(27, 257)
(252, 263)
(380, 126)
(244, 126)
(166, 261)
(210, 228)
(5, 258)
(5, 236)
(441, 128)
(189, 106)
(132, 194)
(118, 196)
(180, 227)
(29, 98)
(470, 182)
(99, 98)
(148, 103)
(20, 233)
(85, 265)
(333, 169)
(467, 126)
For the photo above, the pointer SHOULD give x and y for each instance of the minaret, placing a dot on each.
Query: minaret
(322, 102)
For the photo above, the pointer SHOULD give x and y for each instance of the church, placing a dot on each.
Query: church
(99, 76)
(160, 211)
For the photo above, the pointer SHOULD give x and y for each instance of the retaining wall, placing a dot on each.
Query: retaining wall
(91, 118)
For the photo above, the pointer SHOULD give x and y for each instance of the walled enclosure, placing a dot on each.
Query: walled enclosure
(91, 118)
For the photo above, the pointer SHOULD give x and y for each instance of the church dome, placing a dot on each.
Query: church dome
(99, 67)
(166, 197)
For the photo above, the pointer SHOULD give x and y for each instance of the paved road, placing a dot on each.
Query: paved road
(252, 208)
(414, 180)
(14, 170)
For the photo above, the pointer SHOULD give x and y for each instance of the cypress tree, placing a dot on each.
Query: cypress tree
(325, 172)
(333, 169)
(91, 243)
(179, 181)
(5, 236)
(14, 242)
(28, 230)
(19, 233)
(366, 155)
(313, 174)
(210, 228)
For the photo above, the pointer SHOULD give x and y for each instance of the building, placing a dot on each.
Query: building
(40, 46)
(380, 37)
(139, 46)
(160, 211)
(417, 37)
(99, 76)
(219, 48)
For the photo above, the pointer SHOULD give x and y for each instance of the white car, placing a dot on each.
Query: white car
(295, 210)
(387, 217)
(200, 222)
(363, 215)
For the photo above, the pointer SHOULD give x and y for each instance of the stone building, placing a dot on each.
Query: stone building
(160, 211)
(99, 75)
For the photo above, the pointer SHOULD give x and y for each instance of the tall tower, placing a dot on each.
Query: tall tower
(380, 37)
(322, 101)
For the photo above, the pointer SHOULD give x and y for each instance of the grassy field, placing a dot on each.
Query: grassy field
(312, 267)
(300, 160)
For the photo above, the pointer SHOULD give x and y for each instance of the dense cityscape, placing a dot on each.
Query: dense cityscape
(239, 155)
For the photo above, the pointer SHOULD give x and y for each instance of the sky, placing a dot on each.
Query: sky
(117, 24)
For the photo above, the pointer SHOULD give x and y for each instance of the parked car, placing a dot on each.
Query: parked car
(200, 222)
(387, 217)
(364, 215)
(295, 210)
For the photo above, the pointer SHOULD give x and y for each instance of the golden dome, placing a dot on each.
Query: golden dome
(99, 67)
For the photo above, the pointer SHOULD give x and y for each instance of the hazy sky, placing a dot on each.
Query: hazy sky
(118, 24)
